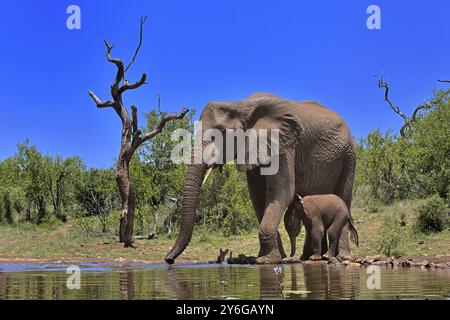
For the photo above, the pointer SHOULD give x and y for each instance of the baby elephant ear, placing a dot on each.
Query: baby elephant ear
(299, 198)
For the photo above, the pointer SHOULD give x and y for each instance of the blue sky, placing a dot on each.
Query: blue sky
(198, 51)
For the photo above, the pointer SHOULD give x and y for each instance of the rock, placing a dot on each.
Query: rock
(372, 259)
(421, 242)
(405, 264)
(333, 260)
(360, 260)
(380, 263)
(241, 259)
(369, 260)
(424, 264)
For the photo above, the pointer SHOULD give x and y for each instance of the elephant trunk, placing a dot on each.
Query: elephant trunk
(194, 178)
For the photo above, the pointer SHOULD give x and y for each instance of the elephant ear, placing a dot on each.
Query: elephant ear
(275, 113)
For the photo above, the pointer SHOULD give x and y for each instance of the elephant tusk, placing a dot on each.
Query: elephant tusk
(208, 173)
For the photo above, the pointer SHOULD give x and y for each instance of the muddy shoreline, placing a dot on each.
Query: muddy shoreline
(403, 262)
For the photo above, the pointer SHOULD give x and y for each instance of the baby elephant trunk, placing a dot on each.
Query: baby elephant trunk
(293, 225)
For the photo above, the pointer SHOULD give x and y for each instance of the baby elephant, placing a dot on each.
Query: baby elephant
(322, 215)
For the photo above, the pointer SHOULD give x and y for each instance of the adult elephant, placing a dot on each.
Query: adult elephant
(316, 156)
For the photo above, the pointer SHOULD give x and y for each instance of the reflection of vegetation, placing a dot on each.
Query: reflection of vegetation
(212, 282)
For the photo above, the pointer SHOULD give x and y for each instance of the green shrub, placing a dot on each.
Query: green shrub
(391, 236)
(432, 215)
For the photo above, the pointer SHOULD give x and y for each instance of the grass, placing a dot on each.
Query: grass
(72, 241)
(412, 243)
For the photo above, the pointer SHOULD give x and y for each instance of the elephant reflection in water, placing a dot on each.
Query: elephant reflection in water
(181, 290)
(316, 281)
(208, 283)
(330, 282)
(269, 282)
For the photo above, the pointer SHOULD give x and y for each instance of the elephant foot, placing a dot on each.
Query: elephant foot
(304, 257)
(328, 256)
(315, 257)
(273, 257)
(287, 260)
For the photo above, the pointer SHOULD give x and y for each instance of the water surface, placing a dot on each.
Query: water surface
(159, 281)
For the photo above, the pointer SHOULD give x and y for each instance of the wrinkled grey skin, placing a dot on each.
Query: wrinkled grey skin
(317, 156)
(322, 215)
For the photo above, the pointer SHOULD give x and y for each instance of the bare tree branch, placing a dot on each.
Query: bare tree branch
(162, 123)
(159, 104)
(131, 136)
(396, 109)
(143, 19)
(408, 120)
(134, 117)
(100, 103)
(119, 64)
(135, 85)
(446, 81)
(421, 107)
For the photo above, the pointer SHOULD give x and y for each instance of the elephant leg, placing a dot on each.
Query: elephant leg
(324, 243)
(257, 190)
(344, 190)
(280, 246)
(317, 234)
(279, 195)
(307, 246)
(334, 232)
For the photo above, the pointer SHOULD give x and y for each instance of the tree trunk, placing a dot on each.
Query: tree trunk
(41, 210)
(127, 199)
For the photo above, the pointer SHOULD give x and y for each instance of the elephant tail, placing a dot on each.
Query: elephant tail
(353, 233)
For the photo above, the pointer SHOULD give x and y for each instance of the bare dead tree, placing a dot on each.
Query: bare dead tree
(132, 137)
(407, 120)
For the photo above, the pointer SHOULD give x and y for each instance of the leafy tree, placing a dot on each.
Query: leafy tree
(381, 165)
(97, 194)
(10, 187)
(158, 181)
(225, 203)
(61, 179)
(33, 172)
(430, 152)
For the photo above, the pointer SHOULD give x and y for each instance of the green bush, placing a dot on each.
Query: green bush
(432, 215)
(391, 236)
